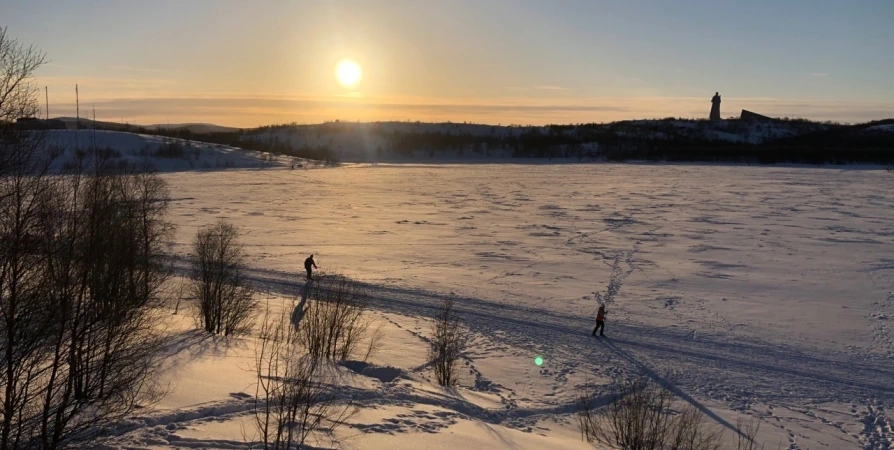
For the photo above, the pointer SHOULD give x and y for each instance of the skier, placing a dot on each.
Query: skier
(600, 321)
(308, 263)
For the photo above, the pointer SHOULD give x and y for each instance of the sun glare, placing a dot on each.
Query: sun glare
(348, 73)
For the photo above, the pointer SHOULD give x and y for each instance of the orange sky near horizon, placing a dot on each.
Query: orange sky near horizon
(253, 111)
(526, 62)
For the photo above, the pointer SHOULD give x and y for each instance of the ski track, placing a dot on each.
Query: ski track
(705, 360)
(735, 373)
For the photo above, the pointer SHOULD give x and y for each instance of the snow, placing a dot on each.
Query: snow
(137, 148)
(888, 128)
(203, 367)
(752, 292)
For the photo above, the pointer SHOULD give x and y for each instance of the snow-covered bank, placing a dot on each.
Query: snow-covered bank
(763, 292)
(165, 154)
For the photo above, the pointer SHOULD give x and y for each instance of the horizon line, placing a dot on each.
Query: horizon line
(453, 122)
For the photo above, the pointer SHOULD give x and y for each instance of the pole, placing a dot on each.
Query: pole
(77, 110)
(77, 120)
(47, 94)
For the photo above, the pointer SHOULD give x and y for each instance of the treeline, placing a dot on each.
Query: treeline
(860, 136)
(817, 143)
(829, 144)
(527, 143)
(670, 139)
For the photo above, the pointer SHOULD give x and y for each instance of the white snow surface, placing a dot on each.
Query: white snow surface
(752, 292)
(889, 128)
(137, 148)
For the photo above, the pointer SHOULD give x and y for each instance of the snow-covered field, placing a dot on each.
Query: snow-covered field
(752, 291)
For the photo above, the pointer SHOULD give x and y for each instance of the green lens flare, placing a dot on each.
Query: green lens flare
(538, 360)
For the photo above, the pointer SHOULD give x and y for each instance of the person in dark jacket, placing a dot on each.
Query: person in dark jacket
(308, 263)
(600, 321)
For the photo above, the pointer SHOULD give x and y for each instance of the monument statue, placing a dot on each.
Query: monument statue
(715, 107)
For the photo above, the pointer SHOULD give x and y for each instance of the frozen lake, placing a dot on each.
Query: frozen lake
(757, 291)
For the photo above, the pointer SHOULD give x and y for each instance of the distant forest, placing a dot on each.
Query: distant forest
(780, 141)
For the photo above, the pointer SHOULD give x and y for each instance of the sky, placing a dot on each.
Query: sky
(249, 63)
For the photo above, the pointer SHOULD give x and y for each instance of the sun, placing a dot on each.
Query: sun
(348, 73)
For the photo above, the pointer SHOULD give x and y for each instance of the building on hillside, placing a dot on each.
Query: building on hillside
(749, 116)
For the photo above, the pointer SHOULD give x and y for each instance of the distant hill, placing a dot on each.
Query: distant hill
(196, 128)
(87, 123)
(754, 138)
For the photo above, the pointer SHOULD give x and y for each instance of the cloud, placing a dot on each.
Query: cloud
(138, 69)
(106, 87)
(819, 74)
(539, 87)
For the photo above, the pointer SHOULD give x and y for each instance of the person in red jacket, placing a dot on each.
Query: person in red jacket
(600, 321)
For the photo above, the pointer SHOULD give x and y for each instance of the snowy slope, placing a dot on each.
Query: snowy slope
(751, 292)
(888, 128)
(136, 148)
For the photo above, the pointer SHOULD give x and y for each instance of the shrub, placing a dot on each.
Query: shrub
(105, 153)
(171, 149)
(640, 417)
(224, 299)
(336, 323)
(449, 341)
(296, 392)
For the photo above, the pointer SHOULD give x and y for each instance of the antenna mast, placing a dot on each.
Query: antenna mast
(77, 110)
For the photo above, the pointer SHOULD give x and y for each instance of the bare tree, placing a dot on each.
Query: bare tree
(153, 231)
(18, 99)
(641, 417)
(337, 322)
(746, 438)
(17, 89)
(225, 301)
(78, 327)
(296, 395)
(26, 312)
(81, 262)
(449, 341)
